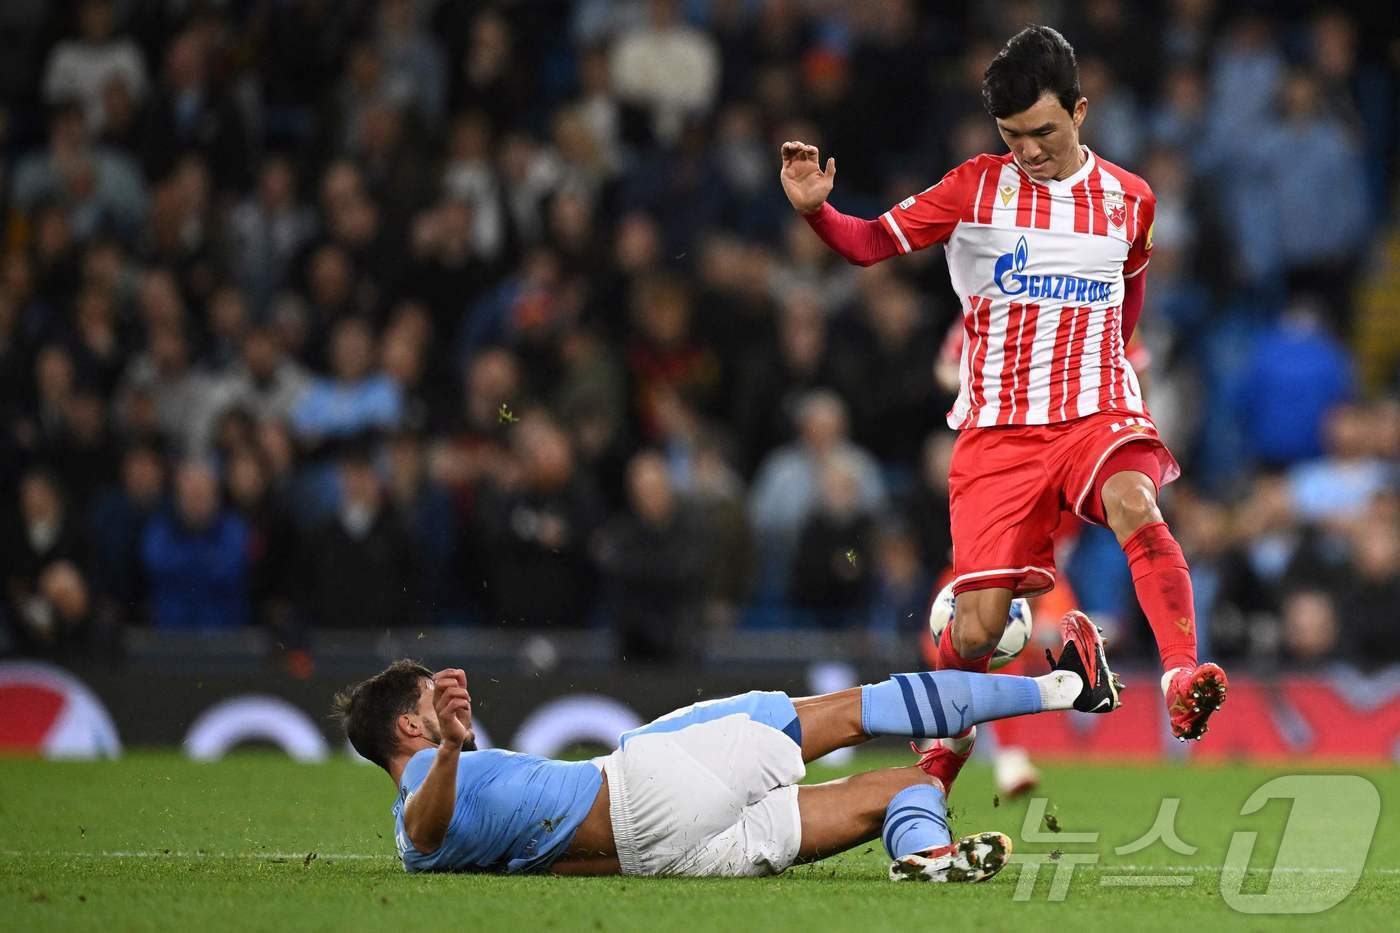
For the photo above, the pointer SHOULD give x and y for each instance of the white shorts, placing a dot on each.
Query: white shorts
(715, 798)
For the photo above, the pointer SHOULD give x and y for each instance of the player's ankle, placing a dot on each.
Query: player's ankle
(1171, 672)
(1058, 689)
(1173, 662)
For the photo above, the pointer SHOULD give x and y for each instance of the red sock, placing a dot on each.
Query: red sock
(1164, 591)
(950, 660)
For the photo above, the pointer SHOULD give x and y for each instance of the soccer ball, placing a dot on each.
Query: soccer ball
(1013, 640)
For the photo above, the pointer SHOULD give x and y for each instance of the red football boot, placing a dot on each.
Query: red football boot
(945, 758)
(1192, 695)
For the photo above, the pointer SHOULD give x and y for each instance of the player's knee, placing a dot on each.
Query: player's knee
(1131, 507)
(977, 629)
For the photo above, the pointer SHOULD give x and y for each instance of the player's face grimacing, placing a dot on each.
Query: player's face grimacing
(1045, 137)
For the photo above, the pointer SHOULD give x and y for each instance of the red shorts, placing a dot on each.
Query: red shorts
(1009, 485)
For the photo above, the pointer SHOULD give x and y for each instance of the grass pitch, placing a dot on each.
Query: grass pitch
(257, 842)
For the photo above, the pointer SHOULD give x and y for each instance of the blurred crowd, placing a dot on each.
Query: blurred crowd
(328, 315)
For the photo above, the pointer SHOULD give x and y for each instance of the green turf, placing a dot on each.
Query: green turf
(240, 834)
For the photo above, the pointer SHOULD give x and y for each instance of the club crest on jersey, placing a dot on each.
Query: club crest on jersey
(1010, 276)
(1115, 208)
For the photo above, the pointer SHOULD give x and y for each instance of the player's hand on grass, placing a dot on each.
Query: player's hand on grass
(453, 705)
(805, 183)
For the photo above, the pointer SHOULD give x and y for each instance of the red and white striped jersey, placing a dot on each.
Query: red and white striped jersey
(1039, 268)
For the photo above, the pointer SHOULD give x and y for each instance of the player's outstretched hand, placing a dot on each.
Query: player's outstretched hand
(805, 183)
(453, 705)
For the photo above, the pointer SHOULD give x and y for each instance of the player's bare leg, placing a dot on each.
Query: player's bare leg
(1163, 584)
(829, 722)
(979, 619)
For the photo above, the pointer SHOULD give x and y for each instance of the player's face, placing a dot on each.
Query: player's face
(427, 716)
(428, 719)
(1045, 137)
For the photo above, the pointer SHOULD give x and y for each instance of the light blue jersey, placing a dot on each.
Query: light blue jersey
(514, 813)
(518, 813)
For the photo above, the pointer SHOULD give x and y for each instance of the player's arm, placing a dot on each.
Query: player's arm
(429, 812)
(807, 185)
(1135, 267)
(1134, 292)
(916, 222)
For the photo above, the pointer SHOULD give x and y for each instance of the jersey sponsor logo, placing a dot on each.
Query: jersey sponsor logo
(1007, 193)
(1010, 277)
(1115, 208)
(1151, 227)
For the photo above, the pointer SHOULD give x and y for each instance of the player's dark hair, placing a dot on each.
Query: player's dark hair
(1035, 60)
(369, 709)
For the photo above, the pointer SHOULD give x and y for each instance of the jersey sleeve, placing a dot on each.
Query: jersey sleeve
(1140, 251)
(930, 216)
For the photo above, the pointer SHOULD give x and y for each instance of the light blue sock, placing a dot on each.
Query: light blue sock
(941, 703)
(915, 821)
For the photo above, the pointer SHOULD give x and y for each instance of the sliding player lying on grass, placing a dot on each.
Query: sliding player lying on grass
(711, 789)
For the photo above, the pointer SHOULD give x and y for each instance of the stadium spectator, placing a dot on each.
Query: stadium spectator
(272, 537)
(93, 188)
(902, 586)
(267, 231)
(773, 376)
(533, 525)
(1310, 628)
(667, 67)
(196, 557)
(181, 394)
(189, 113)
(264, 382)
(788, 488)
(1306, 158)
(118, 521)
(716, 494)
(489, 76)
(653, 559)
(887, 376)
(84, 452)
(97, 347)
(47, 596)
(425, 509)
(665, 361)
(1117, 127)
(1235, 610)
(360, 568)
(357, 398)
(833, 568)
(1296, 371)
(85, 67)
(415, 73)
(1339, 488)
(925, 505)
(1368, 595)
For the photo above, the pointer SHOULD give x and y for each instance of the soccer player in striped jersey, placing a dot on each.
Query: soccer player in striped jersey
(1047, 247)
(708, 790)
